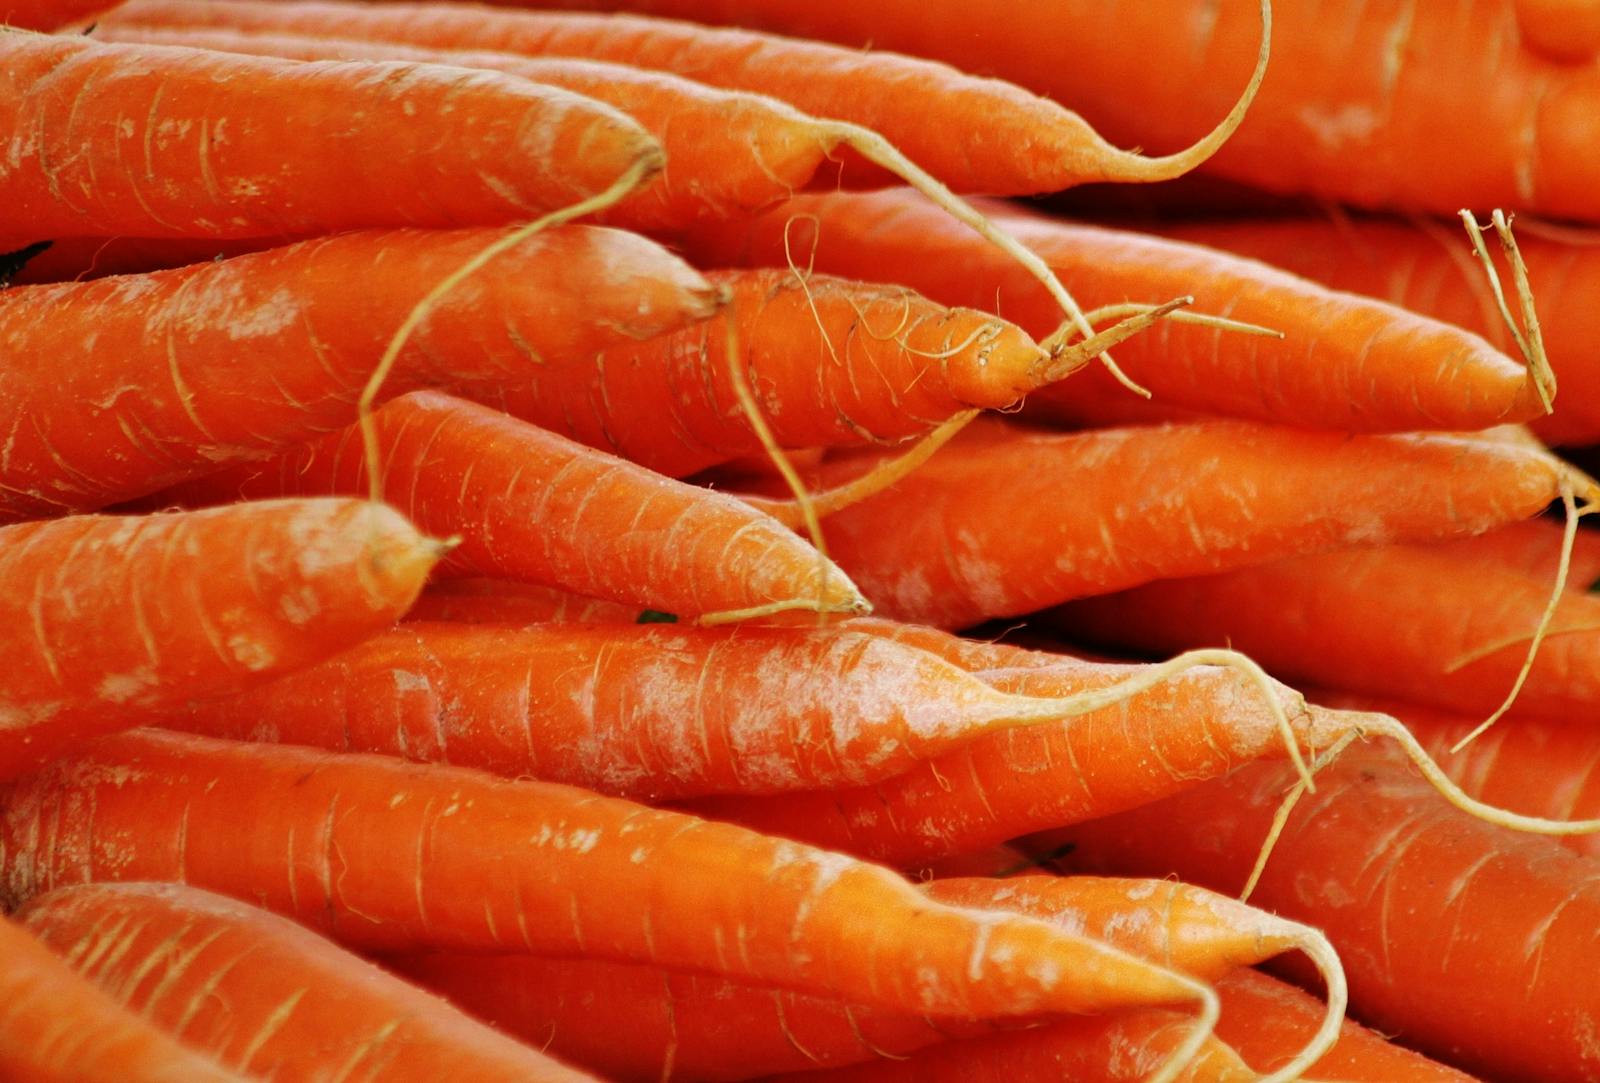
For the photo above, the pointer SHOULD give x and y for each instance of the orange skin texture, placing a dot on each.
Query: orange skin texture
(136, 382)
(108, 620)
(648, 712)
(530, 505)
(1003, 522)
(49, 14)
(1012, 142)
(904, 365)
(1391, 621)
(1419, 898)
(388, 855)
(709, 1028)
(1563, 30)
(1382, 103)
(1345, 362)
(266, 996)
(58, 1028)
(504, 601)
(79, 259)
(164, 142)
(727, 151)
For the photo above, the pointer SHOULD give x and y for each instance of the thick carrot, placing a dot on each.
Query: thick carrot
(1533, 548)
(1424, 106)
(832, 362)
(1565, 30)
(727, 151)
(1415, 622)
(1418, 267)
(393, 856)
(106, 620)
(167, 142)
(698, 1027)
(266, 996)
(502, 601)
(533, 506)
(647, 712)
(1421, 902)
(1004, 522)
(57, 1028)
(976, 135)
(130, 384)
(49, 14)
(1344, 362)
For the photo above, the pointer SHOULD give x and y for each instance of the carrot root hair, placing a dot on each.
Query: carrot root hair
(1190, 1048)
(1316, 946)
(1528, 337)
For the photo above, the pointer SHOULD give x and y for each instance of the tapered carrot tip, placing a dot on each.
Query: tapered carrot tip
(391, 557)
(994, 366)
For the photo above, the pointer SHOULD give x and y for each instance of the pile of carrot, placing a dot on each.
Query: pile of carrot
(504, 576)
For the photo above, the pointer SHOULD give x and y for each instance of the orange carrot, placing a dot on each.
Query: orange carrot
(1415, 622)
(390, 855)
(79, 259)
(534, 506)
(1421, 901)
(727, 151)
(49, 14)
(266, 996)
(502, 601)
(1004, 522)
(155, 141)
(984, 135)
(1344, 362)
(105, 620)
(133, 383)
(1564, 30)
(57, 1028)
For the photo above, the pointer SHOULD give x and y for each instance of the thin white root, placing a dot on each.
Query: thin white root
(1202, 319)
(1066, 358)
(1316, 946)
(642, 170)
(1528, 338)
(1189, 1049)
(788, 605)
(1280, 818)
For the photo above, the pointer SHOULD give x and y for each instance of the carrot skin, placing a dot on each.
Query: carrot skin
(133, 383)
(1344, 363)
(394, 856)
(266, 996)
(58, 1028)
(1420, 899)
(49, 14)
(513, 149)
(110, 620)
(982, 530)
(503, 601)
(534, 506)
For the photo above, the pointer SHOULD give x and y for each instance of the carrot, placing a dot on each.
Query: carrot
(49, 14)
(1430, 107)
(697, 1027)
(645, 712)
(834, 363)
(106, 620)
(1343, 362)
(57, 1028)
(1420, 901)
(533, 506)
(1418, 267)
(1564, 30)
(1266, 1020)
(155, 378)
(976, 135)
(982, 530)
(393, 856)
(1414, 622)
(78, 259)
(502, 601)
(1533, 548)
(266, 996)
(726, 151)
(166, 142)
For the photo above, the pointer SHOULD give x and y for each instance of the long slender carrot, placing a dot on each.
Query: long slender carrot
(1425, 106)
(1004, 522)
(105, 620)
(391, 855)
(727, 151)
(534, 506)
(266, 996)
(1344, 362)
(57, 1028)
(1421, 902)
(156, 141)
(130, 384)
(1415, 622)
(985, 135)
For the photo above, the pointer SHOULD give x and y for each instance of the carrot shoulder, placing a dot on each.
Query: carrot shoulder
(1344, 361)
(533, 506)
(266, 996)
(154, 141)
(125, 385)
(108, 619)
